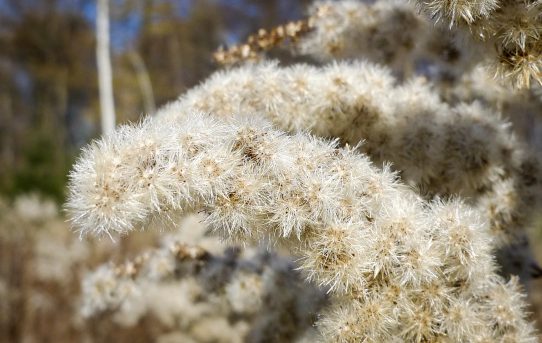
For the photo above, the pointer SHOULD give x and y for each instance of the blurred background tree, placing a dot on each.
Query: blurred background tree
(49, 104)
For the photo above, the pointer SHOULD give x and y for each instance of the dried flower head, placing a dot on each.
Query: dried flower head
(372, 242)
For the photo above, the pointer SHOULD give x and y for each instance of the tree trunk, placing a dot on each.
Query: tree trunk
(105, 78)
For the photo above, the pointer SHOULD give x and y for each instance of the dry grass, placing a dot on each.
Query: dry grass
(41, 265)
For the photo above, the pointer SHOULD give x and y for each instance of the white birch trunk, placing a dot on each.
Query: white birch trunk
(105, 78)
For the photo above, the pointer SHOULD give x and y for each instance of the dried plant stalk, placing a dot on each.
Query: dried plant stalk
(263, 40)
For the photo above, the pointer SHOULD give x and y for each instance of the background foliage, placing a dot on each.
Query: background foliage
(48, 85)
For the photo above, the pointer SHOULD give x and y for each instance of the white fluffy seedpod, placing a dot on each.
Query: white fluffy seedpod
(509, 30)
(442, 150)
(504, 33)
(244, 292)
(245, 289)
(104, 290)
(385, 31)
(388, 32)
(459, 12)
(367, 217)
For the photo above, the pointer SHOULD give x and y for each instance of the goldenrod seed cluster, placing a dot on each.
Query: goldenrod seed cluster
(373, 243)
